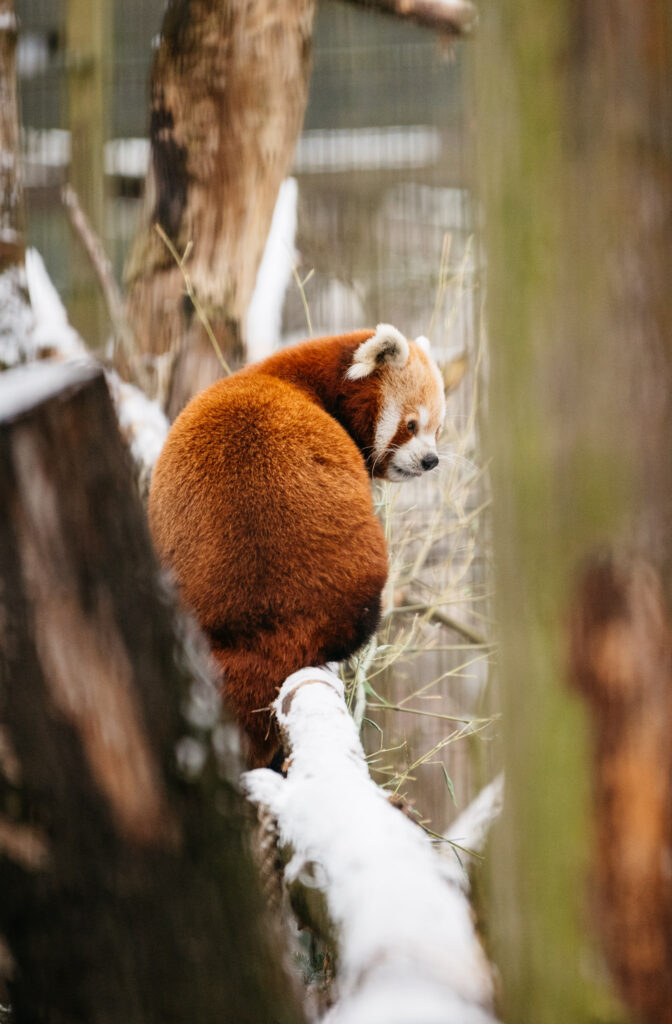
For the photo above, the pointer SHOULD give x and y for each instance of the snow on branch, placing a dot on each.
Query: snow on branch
(469, 832)
(406, 945)
(34, 327)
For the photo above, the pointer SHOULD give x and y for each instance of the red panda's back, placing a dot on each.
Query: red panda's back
(261, 504)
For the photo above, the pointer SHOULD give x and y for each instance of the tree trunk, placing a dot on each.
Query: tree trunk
(16, 321)
(229, 89)
(576, 145)
(12, 217)
(127, 891)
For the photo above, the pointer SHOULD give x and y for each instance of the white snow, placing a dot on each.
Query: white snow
(30, 384)
(143, 424)
(470, 830)
(16, 319)
(407, 950)
(52, 328)
(46, 332)
(264, 314)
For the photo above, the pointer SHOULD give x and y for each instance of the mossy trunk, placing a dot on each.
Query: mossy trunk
(128, 893)
(229, 89)
(576, 150)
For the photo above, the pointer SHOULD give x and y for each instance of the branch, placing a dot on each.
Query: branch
(407, 949)
(453, 17)
(103, 269)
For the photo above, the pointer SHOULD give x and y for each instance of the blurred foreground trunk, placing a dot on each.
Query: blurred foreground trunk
(12, 238)
(576, 143)
(229, 89)
(127, 889)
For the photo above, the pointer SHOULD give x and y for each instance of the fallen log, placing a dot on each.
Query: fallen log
(128, 894)
(357, 868)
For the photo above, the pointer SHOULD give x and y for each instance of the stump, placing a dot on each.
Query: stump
(127, 887)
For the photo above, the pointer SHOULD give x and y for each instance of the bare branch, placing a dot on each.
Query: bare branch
(103, 269)
(453, 17)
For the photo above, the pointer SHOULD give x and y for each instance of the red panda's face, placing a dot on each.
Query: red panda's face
(411, 406)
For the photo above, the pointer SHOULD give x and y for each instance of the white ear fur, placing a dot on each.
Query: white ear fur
(424, 343)
(387, 346)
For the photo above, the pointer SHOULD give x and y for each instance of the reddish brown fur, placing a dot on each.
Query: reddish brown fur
(261, 504)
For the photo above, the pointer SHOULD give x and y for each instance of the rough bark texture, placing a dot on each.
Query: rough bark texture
(12, 239)
(16, 319)
(576, 143)
(127, 893)
(229, 89)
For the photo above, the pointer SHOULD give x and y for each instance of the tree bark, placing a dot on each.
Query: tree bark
(127, 890)
(15, 315)
(229, 89)
(12, 215)
(576, 146)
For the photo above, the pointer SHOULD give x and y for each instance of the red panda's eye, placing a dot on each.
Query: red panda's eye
(412, 426)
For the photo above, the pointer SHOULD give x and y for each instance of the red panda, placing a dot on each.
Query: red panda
(261, 504)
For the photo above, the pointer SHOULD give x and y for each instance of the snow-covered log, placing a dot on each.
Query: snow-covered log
(406, 946)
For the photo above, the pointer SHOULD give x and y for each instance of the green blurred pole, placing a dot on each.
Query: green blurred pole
(575, 112)
(89, 37)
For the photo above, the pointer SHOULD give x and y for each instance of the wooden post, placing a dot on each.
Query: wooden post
(127, 889)
(89, 37)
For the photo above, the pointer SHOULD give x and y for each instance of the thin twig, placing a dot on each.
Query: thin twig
(301, 285)
(189, 288)
(123, 335)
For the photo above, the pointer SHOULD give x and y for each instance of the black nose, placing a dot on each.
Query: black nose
(430, 461)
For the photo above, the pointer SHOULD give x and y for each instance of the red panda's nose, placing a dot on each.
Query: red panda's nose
(430, 461)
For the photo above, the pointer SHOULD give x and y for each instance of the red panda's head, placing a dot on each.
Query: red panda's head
(411, 403)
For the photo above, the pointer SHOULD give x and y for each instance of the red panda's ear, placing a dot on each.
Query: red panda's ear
(453, 371)
(387, 347)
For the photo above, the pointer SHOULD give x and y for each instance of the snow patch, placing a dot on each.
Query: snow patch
(17, 322)
(264, 314)
(49, 333)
